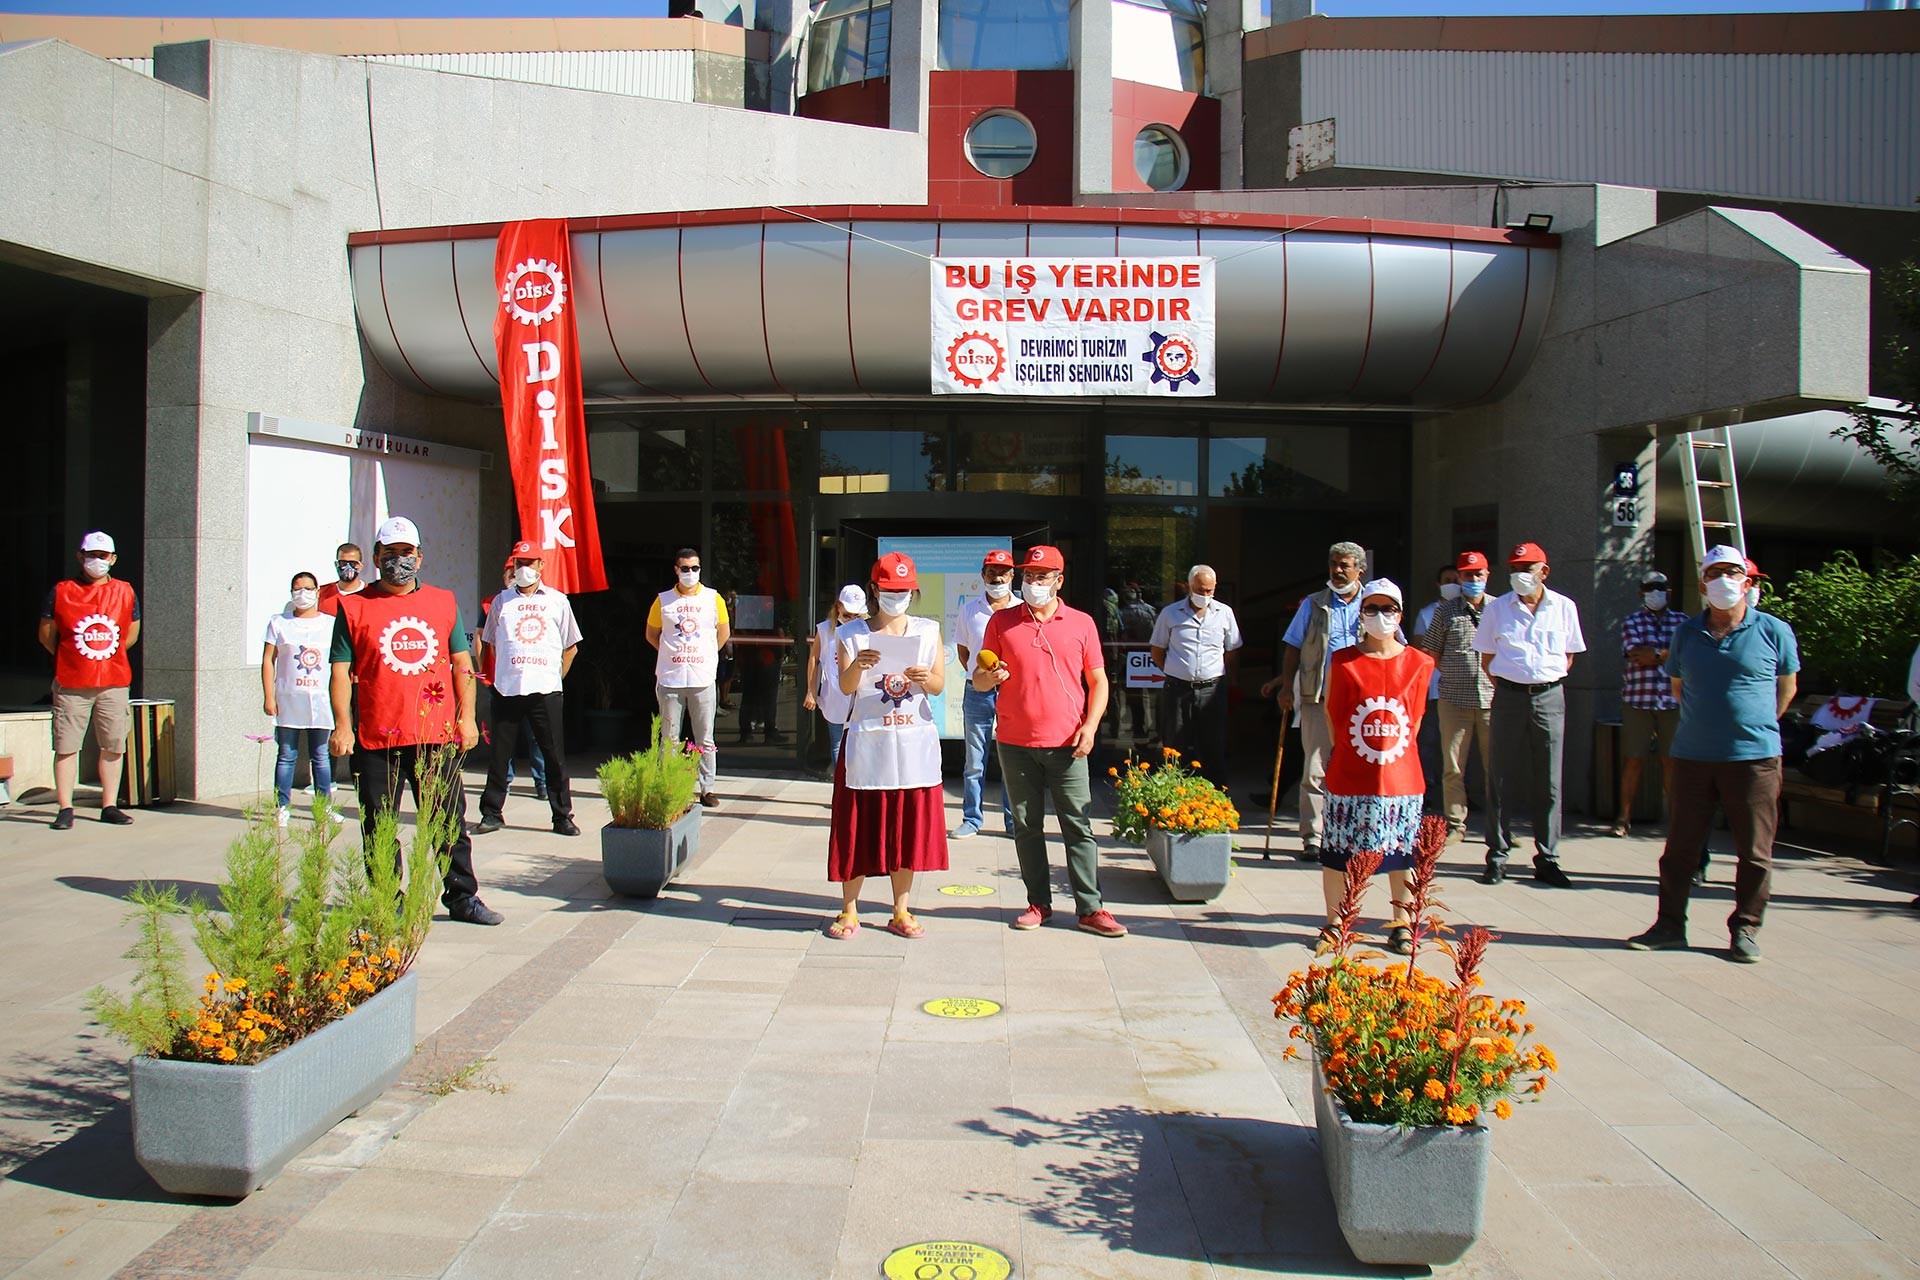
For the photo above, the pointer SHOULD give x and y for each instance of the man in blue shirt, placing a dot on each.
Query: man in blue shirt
(1734, 672)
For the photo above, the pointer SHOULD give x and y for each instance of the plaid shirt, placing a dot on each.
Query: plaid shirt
(1449, 638)
(1648, 688)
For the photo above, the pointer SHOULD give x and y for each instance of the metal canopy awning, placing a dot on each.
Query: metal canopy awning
(833, 303)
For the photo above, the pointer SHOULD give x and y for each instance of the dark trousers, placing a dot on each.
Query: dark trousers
(1193, 721)
(1033, 775)
(384, 770)
(542, 714)
(1748, 791)
(1529, 734)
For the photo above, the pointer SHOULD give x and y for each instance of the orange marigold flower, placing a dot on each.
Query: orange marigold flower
(1458, 1115)
(1434, 1089)
(228, 1054)
(1292, 1051)
(1503, 1109)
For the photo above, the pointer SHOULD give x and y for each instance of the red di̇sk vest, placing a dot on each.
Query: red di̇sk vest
(1374, 708)
(402, 662)
(90, 625)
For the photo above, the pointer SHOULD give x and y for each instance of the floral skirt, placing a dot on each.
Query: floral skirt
(1387, 824)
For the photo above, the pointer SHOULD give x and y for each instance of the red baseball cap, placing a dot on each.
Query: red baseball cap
(894, 571)
(998, 559)
(1527, 553)
(1469, 561)
(523, 550)
(1044, 557)
(1753, 571)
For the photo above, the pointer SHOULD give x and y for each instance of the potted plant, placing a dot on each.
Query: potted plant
(1408, 1066)
(654, 835)
(305, 1015)
(1185, 821)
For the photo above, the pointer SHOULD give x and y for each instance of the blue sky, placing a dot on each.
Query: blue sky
(657, 8)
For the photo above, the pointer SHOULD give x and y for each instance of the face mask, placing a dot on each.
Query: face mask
(1380, 625)
(1471, 590)
(1449, 591)
(1724, 593)
(1753, 597)
(999, 590)
(1199, 601)
(305, 598)
(1342, 592)
(1523, 584)
(95, 566)
(349, 570)
(1655, 599)
(400, 570)
(689, 578)
(1036, 594)
(525, 575)
(894, 603)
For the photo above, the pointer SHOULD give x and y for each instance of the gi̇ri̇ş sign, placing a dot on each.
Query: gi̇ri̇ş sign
(1073, 326)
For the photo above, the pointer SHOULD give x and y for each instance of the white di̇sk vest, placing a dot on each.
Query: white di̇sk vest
(892, 743)
(834, 705)
(689, 656)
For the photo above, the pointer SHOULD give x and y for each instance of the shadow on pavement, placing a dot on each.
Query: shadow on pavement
(190, 890)
(85, 1143)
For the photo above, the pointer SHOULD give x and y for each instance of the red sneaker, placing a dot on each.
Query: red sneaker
(1033, 917)
(1103, 923)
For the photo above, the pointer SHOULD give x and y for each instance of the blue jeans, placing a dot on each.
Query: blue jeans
(288, 743)
(836, 734)
(535, 757)
(980, 710)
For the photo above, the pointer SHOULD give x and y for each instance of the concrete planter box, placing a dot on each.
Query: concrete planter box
(1407, 1197)
(640, 861)
(1194, 868)
(205, 1129)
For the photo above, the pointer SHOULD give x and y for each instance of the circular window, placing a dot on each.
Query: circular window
(1159, 157)
(1000, 143)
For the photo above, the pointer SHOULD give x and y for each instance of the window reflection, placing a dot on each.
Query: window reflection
(1037, 455)
(632, 454)
(1145, 465)
(1295, 463)
(1000, 143)
(1159, 158)
(849, 41)
(883, 461)
(753, 559)
(1160, 42)
(755, 451)
(1004, 35)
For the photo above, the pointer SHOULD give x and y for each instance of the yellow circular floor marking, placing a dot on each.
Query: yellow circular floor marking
(946, 1260)
(967, 890)
(960, 1007)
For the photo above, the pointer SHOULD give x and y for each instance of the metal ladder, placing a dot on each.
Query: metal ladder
(1706, 466)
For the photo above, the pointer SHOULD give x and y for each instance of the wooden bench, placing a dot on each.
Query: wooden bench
(1896, 803)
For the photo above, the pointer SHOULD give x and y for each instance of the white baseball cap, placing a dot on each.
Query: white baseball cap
(397, 531)
(97, 541)
(853, 600)
(1383, 587)
(1723, 555)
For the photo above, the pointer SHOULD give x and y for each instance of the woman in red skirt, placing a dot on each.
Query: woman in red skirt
(889, 812)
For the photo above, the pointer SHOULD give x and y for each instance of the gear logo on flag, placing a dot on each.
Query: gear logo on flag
(1378, 731)
(97, 637)
(534, 291)
(409, 646)
(1172, 359)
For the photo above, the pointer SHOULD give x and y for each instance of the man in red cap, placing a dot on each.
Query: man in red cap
(531, 636)
(996, 577)
(1466, 694)
(1526, 641)
(87, 624)
(1052, 678)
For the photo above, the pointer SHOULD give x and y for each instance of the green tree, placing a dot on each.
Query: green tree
(1856, 626)
(1893, 438)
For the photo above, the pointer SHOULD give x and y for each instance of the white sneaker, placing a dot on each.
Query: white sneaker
(280, 816)
(335, 815)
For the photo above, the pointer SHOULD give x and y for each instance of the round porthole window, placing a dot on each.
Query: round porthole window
(1160, 158)
(1000, 143)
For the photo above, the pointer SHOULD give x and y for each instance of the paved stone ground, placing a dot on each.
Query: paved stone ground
(708, 1086)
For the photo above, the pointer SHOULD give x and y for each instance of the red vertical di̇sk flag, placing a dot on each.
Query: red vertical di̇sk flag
(539, 350)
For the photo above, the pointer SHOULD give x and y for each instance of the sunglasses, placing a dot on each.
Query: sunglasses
(1380, 610)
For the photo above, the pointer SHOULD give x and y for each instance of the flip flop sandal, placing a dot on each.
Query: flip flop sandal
(843, 927)
(1325, 943)
(907, 928)
(1400, 940)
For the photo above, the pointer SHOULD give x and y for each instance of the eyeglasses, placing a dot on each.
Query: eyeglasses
(686, 568)
(1381, 610)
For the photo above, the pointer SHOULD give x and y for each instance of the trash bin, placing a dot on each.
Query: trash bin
(148, 777)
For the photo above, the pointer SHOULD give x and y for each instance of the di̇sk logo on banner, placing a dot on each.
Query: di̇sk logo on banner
(409, 646)
(535, 291)
(1380, 730)
(97, 637)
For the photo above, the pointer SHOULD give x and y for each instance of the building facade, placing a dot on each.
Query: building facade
(263, 267)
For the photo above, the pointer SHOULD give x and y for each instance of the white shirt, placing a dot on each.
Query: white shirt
(1530, 646)
(1196, 644)
(970, 628)
(689, 654)
(892, 743)
(528, 633)
(301, 670)
(834, 705)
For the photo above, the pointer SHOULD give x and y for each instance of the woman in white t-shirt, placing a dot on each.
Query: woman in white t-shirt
(823, 675)
(294, 674)
(889, 813)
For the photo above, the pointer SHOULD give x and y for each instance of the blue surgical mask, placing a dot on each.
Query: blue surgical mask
(1471, 590)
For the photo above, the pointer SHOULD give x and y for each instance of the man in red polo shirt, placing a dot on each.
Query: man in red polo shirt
(1052, 680)
(88, 624)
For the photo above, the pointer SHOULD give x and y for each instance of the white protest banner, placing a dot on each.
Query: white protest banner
(1073, 326)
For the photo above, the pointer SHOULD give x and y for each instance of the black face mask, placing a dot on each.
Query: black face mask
(349, 570)
(400, 571)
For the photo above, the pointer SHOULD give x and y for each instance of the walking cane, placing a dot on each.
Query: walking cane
(1273, 796)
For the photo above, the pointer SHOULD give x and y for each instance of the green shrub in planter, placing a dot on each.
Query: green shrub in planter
(653, 787)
